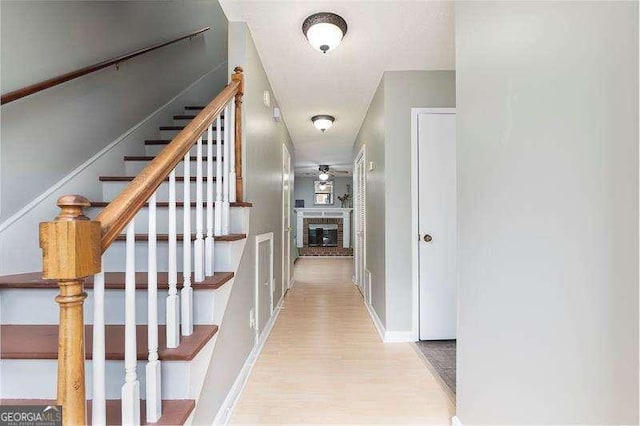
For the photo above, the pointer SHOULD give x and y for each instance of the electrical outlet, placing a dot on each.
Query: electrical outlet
(252, 319)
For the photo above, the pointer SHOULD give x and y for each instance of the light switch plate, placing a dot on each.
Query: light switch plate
(372, 166)
(266, 98)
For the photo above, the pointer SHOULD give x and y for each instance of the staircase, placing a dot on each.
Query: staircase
(158, 295)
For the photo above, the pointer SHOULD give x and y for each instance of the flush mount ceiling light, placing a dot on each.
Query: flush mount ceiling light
(322, 122)
(324, 30)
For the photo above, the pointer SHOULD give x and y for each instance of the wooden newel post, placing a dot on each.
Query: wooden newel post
(238, 76)
(71, 251)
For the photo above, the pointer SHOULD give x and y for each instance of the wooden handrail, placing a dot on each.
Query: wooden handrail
(46, 84)
(124, 207)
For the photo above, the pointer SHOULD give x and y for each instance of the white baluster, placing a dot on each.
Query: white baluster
(232, 152)
(99, 408)
(153, 382)
(198, 245)
(131, 388)
(173, 303)
(186, 295)
(219, 161)
(208, 260)
(225, 174)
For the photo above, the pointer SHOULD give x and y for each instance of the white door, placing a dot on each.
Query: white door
(286, 219)
(437, 224)
(359, 185)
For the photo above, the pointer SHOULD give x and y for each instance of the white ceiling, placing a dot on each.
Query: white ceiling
(382, 36)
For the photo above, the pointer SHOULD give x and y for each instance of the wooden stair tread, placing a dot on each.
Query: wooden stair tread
(43, 342)
(165, 142)
(165, 237)
(165, 204)
(112, 281)
(174, 411)
(151, 157)
(130, 178)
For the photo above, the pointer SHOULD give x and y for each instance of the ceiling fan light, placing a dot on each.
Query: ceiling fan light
(323, 176)
(324, 30)
(322, 122)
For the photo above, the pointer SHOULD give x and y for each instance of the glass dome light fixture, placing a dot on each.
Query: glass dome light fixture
(323, 122)
(323, 176)
(324, 30)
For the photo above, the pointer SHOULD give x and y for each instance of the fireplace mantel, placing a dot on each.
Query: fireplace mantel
(329, 212)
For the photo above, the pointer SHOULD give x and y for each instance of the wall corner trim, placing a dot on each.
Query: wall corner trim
(455, 421)
(229, 403)
(59, 184)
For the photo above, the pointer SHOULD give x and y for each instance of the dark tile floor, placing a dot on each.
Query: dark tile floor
(442, 356)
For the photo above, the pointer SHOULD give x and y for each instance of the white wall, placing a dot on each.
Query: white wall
(547, 132)
(304, 190)
(262, 164)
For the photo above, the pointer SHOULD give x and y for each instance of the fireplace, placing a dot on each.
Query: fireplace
(323, 232)
(323, 235)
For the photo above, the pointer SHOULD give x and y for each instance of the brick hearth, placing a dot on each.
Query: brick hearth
(325, 251)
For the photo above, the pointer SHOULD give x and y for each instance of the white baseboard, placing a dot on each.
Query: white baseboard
(399, 336)
(455, 421)
(376, 320)
(226, 409)
(59, 184)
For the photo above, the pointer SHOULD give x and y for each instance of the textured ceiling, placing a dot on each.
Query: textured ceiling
(382, 36)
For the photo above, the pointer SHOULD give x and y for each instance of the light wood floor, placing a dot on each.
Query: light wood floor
(325, 363)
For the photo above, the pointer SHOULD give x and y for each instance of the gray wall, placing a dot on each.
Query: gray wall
(304, 190)
(47, 135)
(386, 132)
(372, 135)
(262, 147)
(405, 90)
(547, 131)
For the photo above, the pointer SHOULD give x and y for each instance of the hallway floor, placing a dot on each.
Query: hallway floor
(324, 362)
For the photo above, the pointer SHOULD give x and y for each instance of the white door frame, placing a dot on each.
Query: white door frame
(260, 239)
(356, 221)
(286, 279)
(415, 263)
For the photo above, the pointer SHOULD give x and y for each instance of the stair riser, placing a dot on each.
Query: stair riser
(36, 379)
(133, 168)
(156, 149)
(44, 310)
(110, 190)
(114, 258)
(236, 216)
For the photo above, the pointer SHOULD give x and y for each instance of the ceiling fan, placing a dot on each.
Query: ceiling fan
(325, 172)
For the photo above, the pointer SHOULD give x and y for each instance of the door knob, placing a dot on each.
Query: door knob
(427, 238)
